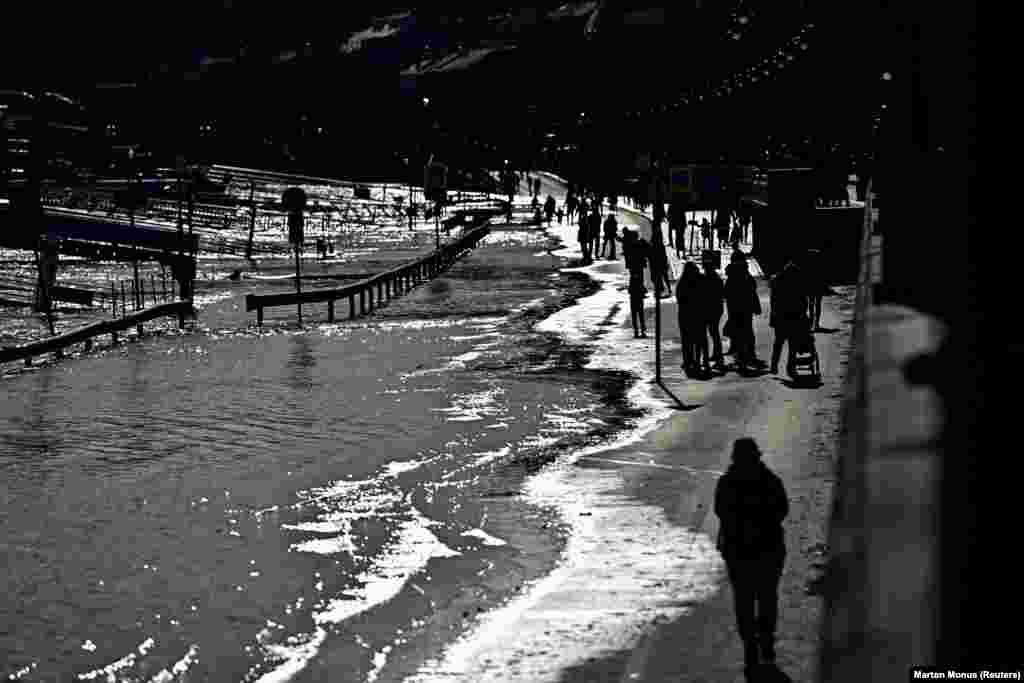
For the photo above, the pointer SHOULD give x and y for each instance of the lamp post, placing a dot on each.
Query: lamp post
(658, 246)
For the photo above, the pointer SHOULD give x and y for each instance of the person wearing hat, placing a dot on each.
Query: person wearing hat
(751, 503)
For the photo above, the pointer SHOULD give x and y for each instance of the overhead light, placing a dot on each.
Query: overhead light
(886, 76)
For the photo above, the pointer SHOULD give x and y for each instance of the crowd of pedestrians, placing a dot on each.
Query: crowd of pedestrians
(703, 298)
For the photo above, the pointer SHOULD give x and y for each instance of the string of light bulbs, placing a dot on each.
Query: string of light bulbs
(767, 67)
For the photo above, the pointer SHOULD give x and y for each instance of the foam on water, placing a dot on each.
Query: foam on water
(412, 549)
(485, 537)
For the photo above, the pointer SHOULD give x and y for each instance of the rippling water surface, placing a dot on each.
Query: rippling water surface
(218, 505)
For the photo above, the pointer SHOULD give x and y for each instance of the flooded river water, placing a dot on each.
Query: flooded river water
(223, 503)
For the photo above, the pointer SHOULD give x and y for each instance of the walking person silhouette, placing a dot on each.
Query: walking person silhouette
(691, 310)
(634, 251)
(751, 503)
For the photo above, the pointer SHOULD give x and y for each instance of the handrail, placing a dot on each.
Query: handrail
(87, 332)
(437, 259)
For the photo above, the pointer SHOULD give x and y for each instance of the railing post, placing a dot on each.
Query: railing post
(124, 300)
(362, 301)
(113, 299)
(330, 310)
(259, 316)
(351, 305)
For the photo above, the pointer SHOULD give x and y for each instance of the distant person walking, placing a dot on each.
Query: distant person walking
(571, 204)
(634, 250)
(751, 504)
(714, 308)
(677, 227)
(561, 215)
(611, 229)
(594, 226)
(816, 286)
(583, 236)
(536, 186)
(659, 266)
(736, 234)
(691, 310)
(788, 317)
(743, 304)
(723, 229)
(549, 208)
(705, 233)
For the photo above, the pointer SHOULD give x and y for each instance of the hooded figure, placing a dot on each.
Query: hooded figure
(751, 503)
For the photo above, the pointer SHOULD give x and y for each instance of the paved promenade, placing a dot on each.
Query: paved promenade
(676, 612)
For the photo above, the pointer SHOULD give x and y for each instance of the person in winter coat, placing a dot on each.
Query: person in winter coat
(611, 227)
(751, 503)
(659, 264)
(594, 226)
(788, 318)
(692, 317)
(634, 251)
(816, 286)
(743, 304)
(583, 235)
(714, 302)
(549, 208)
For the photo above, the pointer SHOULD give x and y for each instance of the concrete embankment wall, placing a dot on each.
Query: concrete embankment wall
(882, 583)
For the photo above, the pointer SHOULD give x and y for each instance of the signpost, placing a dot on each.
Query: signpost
(294, 201)
(681, 181)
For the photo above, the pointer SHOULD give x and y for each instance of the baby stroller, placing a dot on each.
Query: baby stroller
(803, 355)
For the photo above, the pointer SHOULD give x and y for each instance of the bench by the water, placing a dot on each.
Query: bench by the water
(58, 343)
(387, 284)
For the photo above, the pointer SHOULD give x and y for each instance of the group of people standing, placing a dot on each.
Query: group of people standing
(702, 298)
